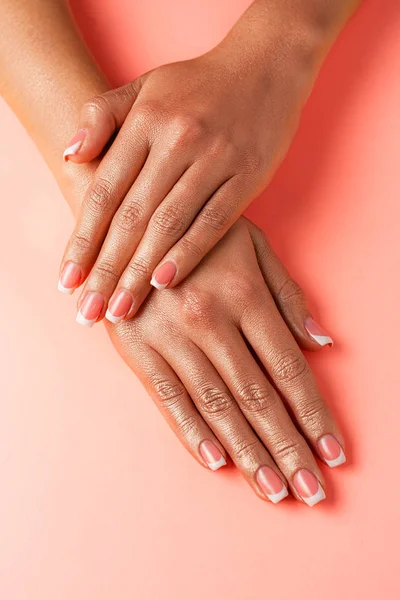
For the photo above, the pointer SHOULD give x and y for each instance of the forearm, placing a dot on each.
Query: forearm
(46, 74)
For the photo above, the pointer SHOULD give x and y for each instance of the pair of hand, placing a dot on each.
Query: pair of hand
(195, 142)
(220, 356)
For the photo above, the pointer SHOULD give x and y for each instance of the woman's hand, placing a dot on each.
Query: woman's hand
(224, 369)
(196, 142)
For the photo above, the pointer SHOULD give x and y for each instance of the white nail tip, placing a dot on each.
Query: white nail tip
(216, 465)
(322, 340)
(71, 150)
(110, 317)
(275, 498)
(85, 322)
(158, 286)
(320, 495)
(64, 290)
(336, 461)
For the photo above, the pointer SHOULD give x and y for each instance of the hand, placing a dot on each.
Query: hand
(197, 141)
(218, 359)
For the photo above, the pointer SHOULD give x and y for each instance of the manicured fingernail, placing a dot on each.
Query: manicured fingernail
(331, 451)
(211, 455)
(164, 275)
(308, 487)
(316, 332)
(75, 144)
(272, 485)
(90, 309)
(70, 278)
(119, 306)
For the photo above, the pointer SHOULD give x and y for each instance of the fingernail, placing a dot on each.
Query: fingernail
(70, 278)
(211, 455)
(90, 309)
(272, 485)
(331, 451)
(75, 144)
(308, 487)
(164, 275)
(316, 333)
(119, 306)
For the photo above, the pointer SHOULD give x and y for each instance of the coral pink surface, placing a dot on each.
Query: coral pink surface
(98, 499)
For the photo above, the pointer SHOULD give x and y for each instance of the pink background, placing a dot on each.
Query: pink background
(98, 500)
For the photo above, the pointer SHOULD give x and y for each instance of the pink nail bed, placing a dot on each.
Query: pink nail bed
(316, 333)
(119, 306)
(70, 278)
(164, 275)
(74, 144)
(308, 487)
(272, 485)
(90, 309)
(331, 451)
(211, 455)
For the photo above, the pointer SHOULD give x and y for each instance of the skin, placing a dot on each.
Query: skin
(195, 142)
(190, 345)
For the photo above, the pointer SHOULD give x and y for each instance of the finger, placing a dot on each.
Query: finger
(281, 357)
(166, 224)
(113, 179)
(173, 401)
(101, 117)
(114, 263)
(265, 411)
(215, 218)
(288, 296)
(222, 414)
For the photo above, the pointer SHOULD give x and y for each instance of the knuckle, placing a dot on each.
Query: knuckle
(100, 195)
(213, 401)
(256, 398)
(186, 128)
(139, 268)
(288, 449)
(95, 106)
(253, 163)
(186, 424)
(129, 217)
(197, 308)
(245, 448)
(311, 411)
(168, 393)
(290, 291)
(289, 366)
(214, 217)
(144, 115)
(105, 270)
(191, 247)
(82, 242)
(168, 222)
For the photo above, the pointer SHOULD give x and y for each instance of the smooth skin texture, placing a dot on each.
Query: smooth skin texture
(195, 142)
(208, 350)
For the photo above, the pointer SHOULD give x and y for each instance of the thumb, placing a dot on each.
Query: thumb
(288, 295)
(100, 118)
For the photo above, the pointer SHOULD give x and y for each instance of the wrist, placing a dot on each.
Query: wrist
(276, 40)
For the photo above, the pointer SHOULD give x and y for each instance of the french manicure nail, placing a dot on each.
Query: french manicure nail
(70, 278)
(308, 487)
(164, 275)
(90, 309)
(119, 306)
(75, 144)
(211, 455)
(272, 485)
(331, 451)
(316, 332)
